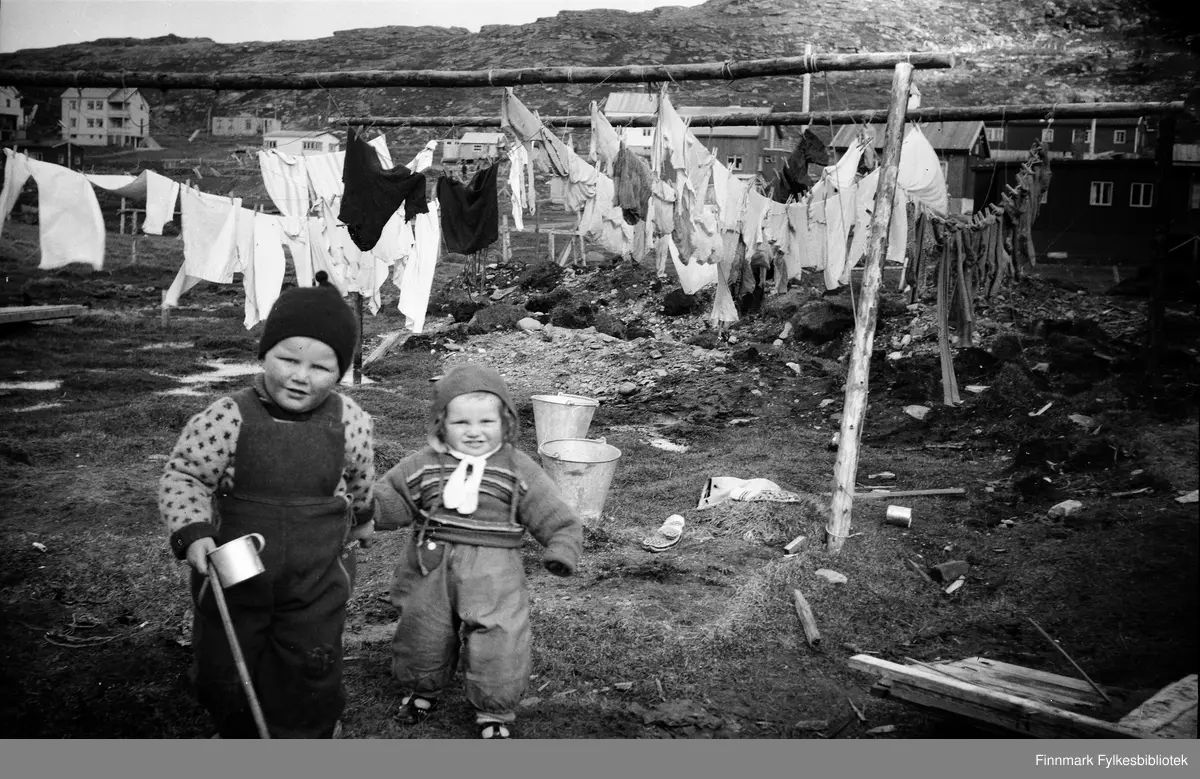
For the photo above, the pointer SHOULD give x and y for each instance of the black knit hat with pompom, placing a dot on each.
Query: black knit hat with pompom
(316, 312)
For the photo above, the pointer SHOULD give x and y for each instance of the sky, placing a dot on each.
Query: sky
(33, 24)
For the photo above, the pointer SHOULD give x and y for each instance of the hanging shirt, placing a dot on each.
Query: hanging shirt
(371, 194)
(210, 235)
(470, 218)
(70, 225)
(285, 177)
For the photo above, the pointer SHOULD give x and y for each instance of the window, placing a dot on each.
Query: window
(1047, 136)
(1081, 136)
(249, 125)
(74, 121)
(271, 144)
(733, 162)
(1101, 194)
(311, 145)
(332, 146)
(1141, 195)
(91, 122)
(1194, 197)
(117, 121)
(945, 169)
(1119, 136)
(73, 105)
(994, 134)
(477, 147)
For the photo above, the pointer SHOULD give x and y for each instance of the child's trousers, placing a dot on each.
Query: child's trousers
(474, 597)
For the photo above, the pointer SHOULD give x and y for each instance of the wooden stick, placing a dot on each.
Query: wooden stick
(495, 77)
(911, 493)
(801, 118)
(807, 621)
(855, 408)
(857, 712)
(1083, 673)
(236, 649)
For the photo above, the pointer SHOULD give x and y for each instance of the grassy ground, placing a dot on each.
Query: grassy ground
(698, 642)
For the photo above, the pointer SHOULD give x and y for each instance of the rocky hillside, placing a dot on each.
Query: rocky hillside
(1009, 51)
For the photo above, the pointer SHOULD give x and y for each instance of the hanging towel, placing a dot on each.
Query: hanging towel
(371, 194)
(285, 177)
(470, 212)
(210, 235)
(414, 277)
(70, 225)
(518, 159)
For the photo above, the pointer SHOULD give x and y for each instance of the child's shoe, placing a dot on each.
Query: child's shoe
(414, 709)
(495, 730)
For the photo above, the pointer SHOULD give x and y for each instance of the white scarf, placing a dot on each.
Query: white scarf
(461, 492)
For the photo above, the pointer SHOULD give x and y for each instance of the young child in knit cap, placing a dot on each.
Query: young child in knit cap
(292, 459)
(470, 496)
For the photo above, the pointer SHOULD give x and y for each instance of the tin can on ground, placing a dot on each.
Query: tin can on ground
(900, 516)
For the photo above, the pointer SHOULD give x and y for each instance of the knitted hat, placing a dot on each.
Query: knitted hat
(316, 312)
(463, 379)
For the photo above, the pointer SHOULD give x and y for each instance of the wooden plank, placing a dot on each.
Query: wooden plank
(389, 342)
(926, 687)
(877, 494)
(1051, 689)
(10, 314)
(1169, 713)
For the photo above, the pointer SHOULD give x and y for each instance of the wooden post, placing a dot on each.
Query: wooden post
(807, 83)
(121, 213)
(550, 236)
(166, 312)
(846, 465)
(1164, 154)
(505, 244)
(358, 357)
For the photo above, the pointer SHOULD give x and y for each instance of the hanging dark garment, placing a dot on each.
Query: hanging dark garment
(631, 185)
(470, 213)
(371, 194)
(792, 180)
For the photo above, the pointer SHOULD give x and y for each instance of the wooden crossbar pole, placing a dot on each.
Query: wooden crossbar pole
(855, 408)
(804, 118)
(495, 77)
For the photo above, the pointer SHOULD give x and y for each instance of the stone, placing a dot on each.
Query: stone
(627, 388)
(917, 412)
(831, 576)
(1064, 509)
(530, 325)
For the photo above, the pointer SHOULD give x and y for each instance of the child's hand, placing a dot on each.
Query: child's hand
(197, 554)
(557, 567)
(364, 534)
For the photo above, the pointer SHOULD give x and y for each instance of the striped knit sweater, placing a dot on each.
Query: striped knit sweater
(202, 465)
(515, 495)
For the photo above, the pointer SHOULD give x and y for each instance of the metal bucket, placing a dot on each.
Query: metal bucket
(561, 416)
(583, 470)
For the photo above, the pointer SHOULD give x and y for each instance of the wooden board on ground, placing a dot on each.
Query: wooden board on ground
(1169, 713)
(10, 314)
(990, 696)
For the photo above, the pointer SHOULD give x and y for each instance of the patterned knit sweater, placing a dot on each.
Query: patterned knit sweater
(515, 495)
(202, 466)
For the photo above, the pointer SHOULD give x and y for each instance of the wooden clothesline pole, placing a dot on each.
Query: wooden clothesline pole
(727, 70)
(803, 118)
(855, 408)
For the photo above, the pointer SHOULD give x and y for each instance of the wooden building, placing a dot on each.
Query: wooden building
(744, 150)
(959, 145)
(12, 115)
(474, 146)
(301, 141)
(1072, 138)
(1103, 210)
(244, 125)
(101, 116)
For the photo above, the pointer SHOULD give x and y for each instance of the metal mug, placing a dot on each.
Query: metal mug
(237, 560)
(900, 516)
